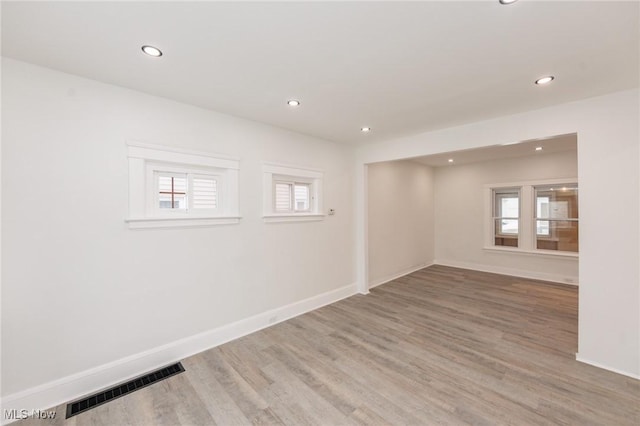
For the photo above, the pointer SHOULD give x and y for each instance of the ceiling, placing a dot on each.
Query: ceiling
(399, 67)
(553, 145)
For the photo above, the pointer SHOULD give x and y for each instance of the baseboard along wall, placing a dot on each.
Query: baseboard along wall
(77, 385)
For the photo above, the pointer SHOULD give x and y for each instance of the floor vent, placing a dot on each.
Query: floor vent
(122, 389)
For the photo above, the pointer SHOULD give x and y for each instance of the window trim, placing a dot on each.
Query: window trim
(145, 160)
(291, 174)
(527, 227)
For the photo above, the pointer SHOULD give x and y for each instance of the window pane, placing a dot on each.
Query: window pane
(542, 227)
(506, 217)
(302, 201)
(180, 184)
(558, 205)
(506, 204)
(562, 236)
(172, 191)
(506, 232)
(283, 197)
(509, 207)
(164, 183)
(557, 202)
(508, 226)
(205, 193)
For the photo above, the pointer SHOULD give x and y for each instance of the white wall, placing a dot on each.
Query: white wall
(400, 219)
(460, 215)
(608, 169)
(81, 291)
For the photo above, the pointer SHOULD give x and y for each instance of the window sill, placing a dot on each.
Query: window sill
(548, 253)
(180, 222)
(300, 217)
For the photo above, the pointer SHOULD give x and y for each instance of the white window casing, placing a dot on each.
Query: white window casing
(291, 194)
(202, 187)
(527, 228)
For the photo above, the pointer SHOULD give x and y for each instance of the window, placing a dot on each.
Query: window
(170, 187)
(184, 192)
(291, 193)
(557, 217)
(506, 216)
(539, 217)
(292, 197)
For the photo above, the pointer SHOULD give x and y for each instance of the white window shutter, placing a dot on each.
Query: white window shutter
(205, 193)
(283, 197)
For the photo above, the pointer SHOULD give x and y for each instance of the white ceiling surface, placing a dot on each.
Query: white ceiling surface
(399, 67)
(562, 143)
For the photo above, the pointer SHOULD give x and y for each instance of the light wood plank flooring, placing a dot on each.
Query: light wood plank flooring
(439, 346)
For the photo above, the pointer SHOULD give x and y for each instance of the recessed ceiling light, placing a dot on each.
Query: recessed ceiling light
(450, 160)
(293, 102)
(152, 51)
(365, 129)
(507, 1)
(545, 80)
(538, 148)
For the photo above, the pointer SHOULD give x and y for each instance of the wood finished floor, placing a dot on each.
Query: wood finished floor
(439, 346)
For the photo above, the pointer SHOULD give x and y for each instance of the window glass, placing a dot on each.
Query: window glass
(506, 217)
(302, 199)
(172, 192)
(557, 217)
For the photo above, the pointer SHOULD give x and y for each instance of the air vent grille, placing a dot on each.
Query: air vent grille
(122, 389)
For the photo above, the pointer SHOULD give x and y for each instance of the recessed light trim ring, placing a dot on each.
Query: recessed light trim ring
(545, 80)
(152, 51)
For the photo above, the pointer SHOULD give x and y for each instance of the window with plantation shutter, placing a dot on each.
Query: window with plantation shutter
(292, 197)
(205, 192)
(292, 194)
(170, 187)
(283, 197)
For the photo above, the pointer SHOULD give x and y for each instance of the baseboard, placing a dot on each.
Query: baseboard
(393, 276)
(74, 386)
(606, 367)
(534, 275)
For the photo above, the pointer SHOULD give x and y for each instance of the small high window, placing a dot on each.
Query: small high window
(292, 197)
(170, 187)
(291, 193)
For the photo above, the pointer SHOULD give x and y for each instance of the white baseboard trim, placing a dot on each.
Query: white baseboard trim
(534, 275)
(393, 276)
(606, 367)
(86, 382)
